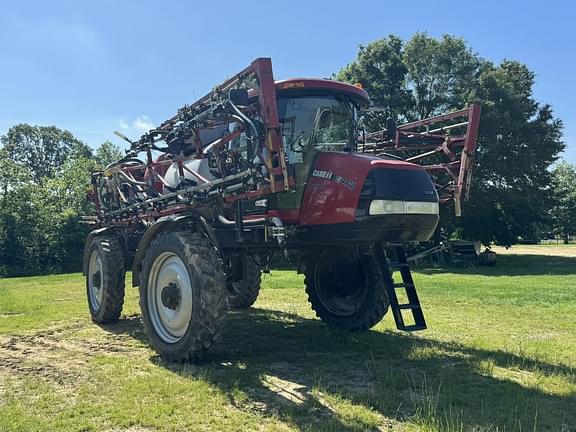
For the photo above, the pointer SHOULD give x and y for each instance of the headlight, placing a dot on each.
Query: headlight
(421, 207)
(381, 207)
(378, 207)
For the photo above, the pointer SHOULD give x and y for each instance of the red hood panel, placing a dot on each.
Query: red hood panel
(334, 187)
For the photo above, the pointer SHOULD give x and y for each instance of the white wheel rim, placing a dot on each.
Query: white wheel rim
(169, 297)
(95, 280)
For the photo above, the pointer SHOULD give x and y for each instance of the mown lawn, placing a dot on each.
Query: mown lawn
(499, 354)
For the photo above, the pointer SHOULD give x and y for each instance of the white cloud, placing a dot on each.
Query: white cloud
(138, 126)
(143, 124)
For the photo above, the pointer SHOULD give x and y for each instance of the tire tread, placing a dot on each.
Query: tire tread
(370, 314)
(113, 280)
(207, 322)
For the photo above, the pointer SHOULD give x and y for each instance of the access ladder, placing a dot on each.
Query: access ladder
(387, 268)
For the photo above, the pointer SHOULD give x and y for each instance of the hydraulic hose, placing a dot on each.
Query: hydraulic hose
(254, 131)
(246, 221)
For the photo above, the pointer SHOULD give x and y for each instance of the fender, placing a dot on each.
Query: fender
(168, 224)
(121, 233)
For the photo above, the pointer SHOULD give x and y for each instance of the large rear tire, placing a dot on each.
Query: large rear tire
(243, 281)
(182, 296)
(105, 279)
(345, 288)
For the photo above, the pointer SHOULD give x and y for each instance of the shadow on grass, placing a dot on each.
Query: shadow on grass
(128, 325)
(512, 265)
(280, 364)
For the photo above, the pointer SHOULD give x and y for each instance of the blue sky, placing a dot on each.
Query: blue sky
(96, 67)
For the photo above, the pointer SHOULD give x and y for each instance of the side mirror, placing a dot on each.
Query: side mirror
(239, 96)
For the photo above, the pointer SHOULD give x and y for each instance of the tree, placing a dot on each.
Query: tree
(40, 205)
(439, 73)
(14, 202)
(563, 213)
(42, 149)
(518, 139)
(382, 72)
(108, 153)
(40, 226)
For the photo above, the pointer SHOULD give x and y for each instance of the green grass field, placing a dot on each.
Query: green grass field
(499, 355)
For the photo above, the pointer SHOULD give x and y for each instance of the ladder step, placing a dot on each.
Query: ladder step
(414, 328)
(403, 285)
(409, 306)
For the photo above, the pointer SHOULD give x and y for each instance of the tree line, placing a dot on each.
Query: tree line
(519, 190)
(44, 177)
(519, 138)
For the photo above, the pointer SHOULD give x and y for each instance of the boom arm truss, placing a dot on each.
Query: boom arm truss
(444, 145)
(133, 188)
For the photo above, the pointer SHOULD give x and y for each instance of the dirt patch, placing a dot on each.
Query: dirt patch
(10, 314)
(61, 354)
(132, 429)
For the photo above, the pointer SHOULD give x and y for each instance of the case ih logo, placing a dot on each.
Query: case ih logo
(322, 174)
(329, 175)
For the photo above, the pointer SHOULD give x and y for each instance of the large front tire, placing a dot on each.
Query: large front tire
(182, 296)
(243, 281)
(345, 288)
(105, 279)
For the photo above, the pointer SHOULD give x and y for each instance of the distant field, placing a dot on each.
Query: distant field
(499, 355)
(568, 250)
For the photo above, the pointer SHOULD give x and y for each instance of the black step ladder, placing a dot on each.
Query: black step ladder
(413, 305)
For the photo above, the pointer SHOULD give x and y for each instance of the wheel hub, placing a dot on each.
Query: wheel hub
(95, 288)
(171, 296)
(96, 279)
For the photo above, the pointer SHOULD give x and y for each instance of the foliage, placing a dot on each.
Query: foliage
(108, 153)
(439, 73)
(564, 192)
(41, 204)
(518, 139)
(42, 149)
(382, 72)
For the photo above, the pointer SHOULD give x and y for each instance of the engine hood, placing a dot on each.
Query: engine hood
(340, 184)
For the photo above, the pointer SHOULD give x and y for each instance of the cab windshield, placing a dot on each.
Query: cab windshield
(316, 122)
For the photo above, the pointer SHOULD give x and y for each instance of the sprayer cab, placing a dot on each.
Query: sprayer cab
(342, 195)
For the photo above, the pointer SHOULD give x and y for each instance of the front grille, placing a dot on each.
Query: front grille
(411, 184)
